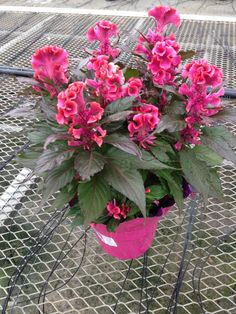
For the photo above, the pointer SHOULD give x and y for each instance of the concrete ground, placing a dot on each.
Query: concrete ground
(202, 7)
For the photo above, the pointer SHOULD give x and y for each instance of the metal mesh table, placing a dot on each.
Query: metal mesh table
(80, 277)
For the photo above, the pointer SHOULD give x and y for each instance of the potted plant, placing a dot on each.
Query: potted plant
(122, 144)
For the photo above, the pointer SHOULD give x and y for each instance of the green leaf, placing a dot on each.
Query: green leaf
(50, 159)
(93, 198)
(187, 54)
(131, 73)
(171, 124)
(206, 154)
(221, 141)
(58, 178)
(119, 116)
(157, 192)
(64, 196)
(199, 175)
(162, 150)
(28, 158)
(226, 115)
(55, 137)
(39, 136)
(75, 210)
(119, 105)
(128, 182)
(123, 143)
(147, 161)
(78, 220)
(174, 182)
(112, 225)
(88, 163)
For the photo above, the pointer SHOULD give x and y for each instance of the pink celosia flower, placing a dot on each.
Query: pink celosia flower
(82, 118)
(108, 81)
(164, 16)
(134, 87)
(70, 102)
(143, 123)
(50, 63)
(117, 212)
(102, 32)
(165, 60)
(200, 102)
(200, 72)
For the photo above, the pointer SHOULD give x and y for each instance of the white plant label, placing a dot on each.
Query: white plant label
(106, 240)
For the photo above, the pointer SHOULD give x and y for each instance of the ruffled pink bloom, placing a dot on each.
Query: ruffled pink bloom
(108, 81)
(70, 103)
(134, 87)
(50, 63)
(164, 16)
(165, 61)
(82, 118)
(143, 123)
(200, 72)
(117, 212)
(102, 32)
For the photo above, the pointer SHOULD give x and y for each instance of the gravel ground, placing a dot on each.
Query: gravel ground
(203, 7)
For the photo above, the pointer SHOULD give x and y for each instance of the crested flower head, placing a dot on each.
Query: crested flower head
(50, 63)
(164, 16)
(143, 123)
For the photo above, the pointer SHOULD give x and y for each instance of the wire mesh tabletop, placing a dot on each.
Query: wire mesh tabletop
(47, 268)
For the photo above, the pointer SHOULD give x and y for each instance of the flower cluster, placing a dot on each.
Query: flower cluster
(108, 81)
(50, 65)
(81, 117)
(117, 212)
(202, 102)
(143, 123)
(161, 51)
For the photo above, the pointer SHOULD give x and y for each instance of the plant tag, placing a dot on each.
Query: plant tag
(106, 240)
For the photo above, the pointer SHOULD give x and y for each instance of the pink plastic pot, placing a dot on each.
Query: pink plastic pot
(131, 239)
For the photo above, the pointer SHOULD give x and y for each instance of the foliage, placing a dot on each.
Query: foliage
(118, 140)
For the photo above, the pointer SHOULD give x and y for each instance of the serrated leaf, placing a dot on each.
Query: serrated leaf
(28, 159)
(226, 115)
(187, 54)
(64, 197)
(208, 155)
(119, 116)
(55, 137)
(89, 163)
(129, 72)
(147, 161)
(221, 141)
(123, 143)
(198, 174)
(78, 220)
(50, 159)
(27, 110)
(162, 150)
(119, 105)
(174, 182)
(58, 178)
(39, 136)
(93, 198)
(128, 182)
(171, 124)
